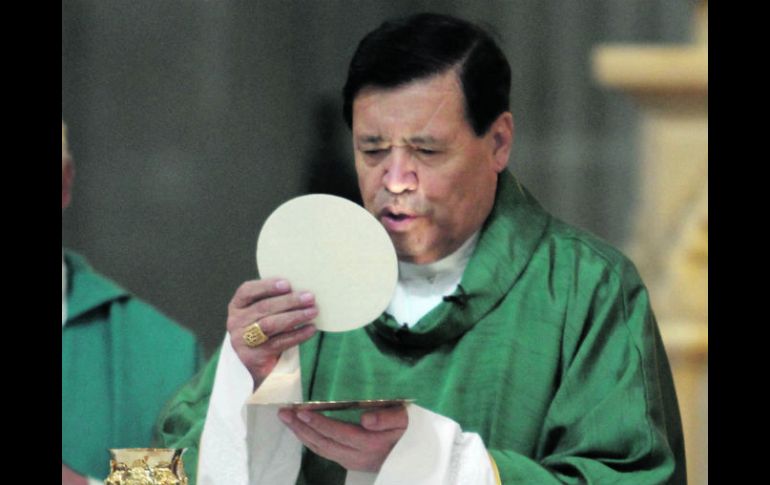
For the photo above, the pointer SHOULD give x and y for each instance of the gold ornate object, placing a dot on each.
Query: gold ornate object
(146, 466)
(254, 336)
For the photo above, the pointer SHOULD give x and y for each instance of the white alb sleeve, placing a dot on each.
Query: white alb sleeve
(245, 444)
(433, 451)
(222, 458)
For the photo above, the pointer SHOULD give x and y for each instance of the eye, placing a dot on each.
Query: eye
(373, 151)
(426, 151)
(373, 156)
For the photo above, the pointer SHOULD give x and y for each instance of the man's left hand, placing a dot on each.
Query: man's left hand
(361, 447)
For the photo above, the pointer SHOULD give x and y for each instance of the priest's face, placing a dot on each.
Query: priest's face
(422, 171)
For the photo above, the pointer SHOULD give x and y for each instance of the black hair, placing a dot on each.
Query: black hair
(423, 45)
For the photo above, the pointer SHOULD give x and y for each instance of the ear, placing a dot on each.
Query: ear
(501, 139)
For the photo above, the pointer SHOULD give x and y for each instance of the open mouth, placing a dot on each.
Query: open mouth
(397, 217)
(396, 220)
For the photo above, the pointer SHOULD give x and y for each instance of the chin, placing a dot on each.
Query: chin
(415, 250)
(409, 255)
(416, 257)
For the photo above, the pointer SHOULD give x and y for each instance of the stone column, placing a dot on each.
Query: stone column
(670, 239)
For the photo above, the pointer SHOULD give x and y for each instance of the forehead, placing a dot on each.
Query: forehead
(434, 103)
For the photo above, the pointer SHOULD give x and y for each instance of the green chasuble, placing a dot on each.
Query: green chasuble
(548, 350)
(121, 361)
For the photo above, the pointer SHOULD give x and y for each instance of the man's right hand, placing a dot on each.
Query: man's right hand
(278, 311)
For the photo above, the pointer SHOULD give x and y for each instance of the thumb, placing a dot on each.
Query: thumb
(385, 419)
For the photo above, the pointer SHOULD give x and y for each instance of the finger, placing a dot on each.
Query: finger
(386, 419)
(318, 443)
(261, 360)
(347, 444)
(254, 290)
(277, 304)
(348, 434)
(287, 340)
(273, 325)
(275, 344)
(273, 305)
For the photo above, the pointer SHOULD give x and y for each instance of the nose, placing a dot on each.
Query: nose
(400, 175)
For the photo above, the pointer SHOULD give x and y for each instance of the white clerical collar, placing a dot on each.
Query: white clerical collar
(421, 287)
(451, 265)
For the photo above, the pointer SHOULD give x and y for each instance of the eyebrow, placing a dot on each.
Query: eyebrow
(370, 139)
(424, 140)
(419, 140)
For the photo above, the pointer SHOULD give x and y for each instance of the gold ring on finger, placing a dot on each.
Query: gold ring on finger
(253, 337)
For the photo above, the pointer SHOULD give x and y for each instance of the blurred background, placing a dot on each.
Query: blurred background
(191, 120)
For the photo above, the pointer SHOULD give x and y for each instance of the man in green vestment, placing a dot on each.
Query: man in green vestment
(529, 345)
(121, 361)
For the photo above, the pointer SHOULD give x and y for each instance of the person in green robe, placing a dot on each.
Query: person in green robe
(122, 360)
(529, 346)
